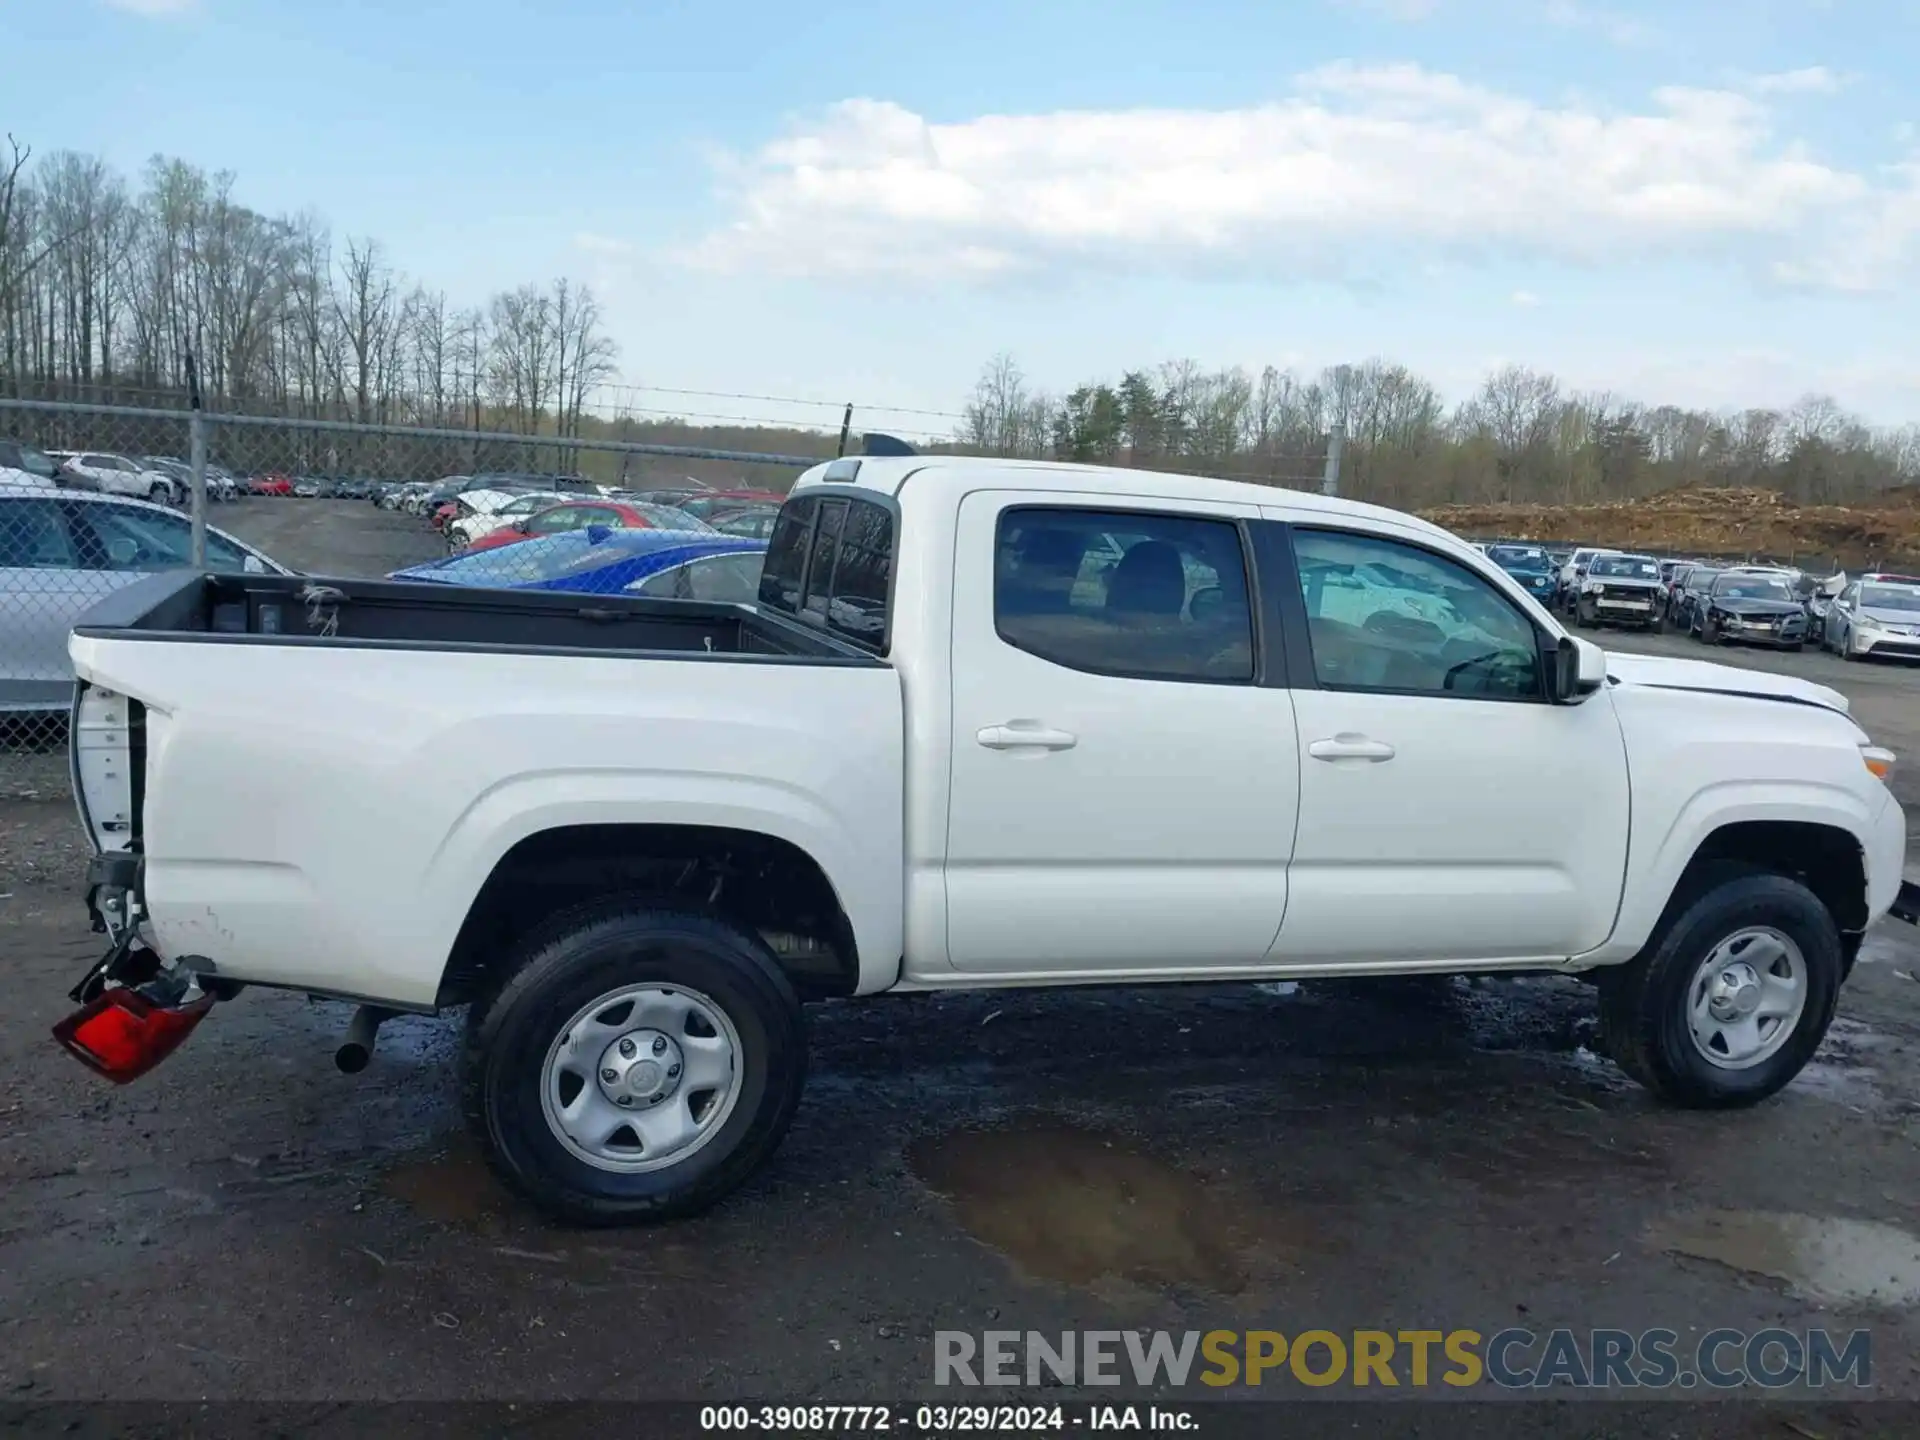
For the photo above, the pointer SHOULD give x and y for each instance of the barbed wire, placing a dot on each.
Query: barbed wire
(858, 405)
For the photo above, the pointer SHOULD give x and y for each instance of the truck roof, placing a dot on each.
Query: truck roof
(889, 474)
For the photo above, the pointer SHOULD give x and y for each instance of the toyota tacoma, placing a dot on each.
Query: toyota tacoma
(987, 724)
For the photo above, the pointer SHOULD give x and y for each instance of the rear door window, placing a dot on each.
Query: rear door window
(732, 578)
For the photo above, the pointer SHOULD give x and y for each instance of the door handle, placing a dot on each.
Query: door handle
(1351, 747)
(1025, 735)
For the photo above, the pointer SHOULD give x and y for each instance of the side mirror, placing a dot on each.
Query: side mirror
(1579, 669)
(597, 534)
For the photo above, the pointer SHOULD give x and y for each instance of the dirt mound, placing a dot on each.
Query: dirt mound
(1714, 522)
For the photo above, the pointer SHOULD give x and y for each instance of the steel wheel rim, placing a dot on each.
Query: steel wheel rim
(641, 1078)
(1746, 998)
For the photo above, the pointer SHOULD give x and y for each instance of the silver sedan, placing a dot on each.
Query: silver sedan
(60, 551)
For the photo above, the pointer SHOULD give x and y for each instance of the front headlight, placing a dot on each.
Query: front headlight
(1592, 587)
(1867, 622)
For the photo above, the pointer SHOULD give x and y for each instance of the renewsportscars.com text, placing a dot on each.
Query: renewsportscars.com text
(1511, 1359)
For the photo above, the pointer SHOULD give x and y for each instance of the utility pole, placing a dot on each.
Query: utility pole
(1336, 446)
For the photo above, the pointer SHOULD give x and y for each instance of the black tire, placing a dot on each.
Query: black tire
(1708, 634)
(160, 494)
(1643, 1004)
(596, 951)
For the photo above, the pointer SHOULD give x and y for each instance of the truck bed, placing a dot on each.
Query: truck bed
(389, 614)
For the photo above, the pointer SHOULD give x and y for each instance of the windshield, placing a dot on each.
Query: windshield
(1889, 597)
(1751, 587)
(1628, 566)
(1518, 557)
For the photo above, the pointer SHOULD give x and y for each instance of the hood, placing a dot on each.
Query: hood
(1757, 607)
(1660, 672)
(1895, 620)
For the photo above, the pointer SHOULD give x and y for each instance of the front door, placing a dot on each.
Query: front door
(1448, 811)
(1123, 791)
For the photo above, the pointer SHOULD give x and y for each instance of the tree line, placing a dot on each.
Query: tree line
(1521, 437)
(106, 288)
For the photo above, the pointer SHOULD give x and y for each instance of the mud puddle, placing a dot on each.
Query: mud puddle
(1819, 1258)
(1078, 1206)
(453, 1186)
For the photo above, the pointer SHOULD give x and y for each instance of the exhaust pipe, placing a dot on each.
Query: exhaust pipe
(357, 1049)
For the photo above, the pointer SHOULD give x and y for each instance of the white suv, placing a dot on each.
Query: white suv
(117, 475)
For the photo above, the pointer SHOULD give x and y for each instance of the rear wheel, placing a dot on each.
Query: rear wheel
(637, 1065)
(1731, 997)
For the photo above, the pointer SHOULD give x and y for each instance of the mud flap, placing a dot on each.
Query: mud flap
(1906, 905)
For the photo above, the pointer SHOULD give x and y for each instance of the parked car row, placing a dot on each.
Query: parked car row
(159, 479)
(1717, 603)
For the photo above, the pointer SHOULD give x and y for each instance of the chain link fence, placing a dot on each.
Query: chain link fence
(94, 497)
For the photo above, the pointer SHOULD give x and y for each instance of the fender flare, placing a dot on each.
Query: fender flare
(533, 802)
(1710, 809)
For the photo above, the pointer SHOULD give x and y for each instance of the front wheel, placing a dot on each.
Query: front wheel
(638, 1065)
(160, 494)
(1731, 998)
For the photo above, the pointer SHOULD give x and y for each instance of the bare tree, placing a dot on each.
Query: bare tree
(363, 308)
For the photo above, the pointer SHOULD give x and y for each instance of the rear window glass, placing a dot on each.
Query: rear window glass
(830, 562)
(785, 570)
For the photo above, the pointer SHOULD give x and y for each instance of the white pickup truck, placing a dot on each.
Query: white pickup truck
(989, 724)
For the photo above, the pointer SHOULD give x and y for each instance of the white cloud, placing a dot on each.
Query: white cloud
(1362, 171)
(1525, 300)
(157, 9)
(1812, 80)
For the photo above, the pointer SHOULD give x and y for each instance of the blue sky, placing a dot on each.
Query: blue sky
(1713, 203)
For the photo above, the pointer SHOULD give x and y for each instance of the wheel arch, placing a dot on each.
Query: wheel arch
(1823, 849)
(761, 881)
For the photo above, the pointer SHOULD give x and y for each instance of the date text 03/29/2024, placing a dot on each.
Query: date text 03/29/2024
(941, 1419)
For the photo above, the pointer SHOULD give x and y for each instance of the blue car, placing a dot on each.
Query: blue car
(1531, 566)
(599, 560)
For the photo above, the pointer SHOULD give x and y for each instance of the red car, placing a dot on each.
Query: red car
(579, 514)
(270, 482)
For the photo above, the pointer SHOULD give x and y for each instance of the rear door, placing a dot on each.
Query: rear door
(1124, 770)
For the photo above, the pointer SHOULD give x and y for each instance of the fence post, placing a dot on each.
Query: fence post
(1336, 444)
(197, 462)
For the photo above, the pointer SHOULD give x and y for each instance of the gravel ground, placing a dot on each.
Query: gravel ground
(250, 1224)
